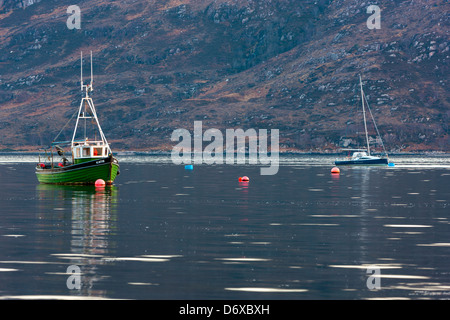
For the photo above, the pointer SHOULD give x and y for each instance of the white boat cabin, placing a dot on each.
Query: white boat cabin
(359, 154)
(90, 150)
(362, 156)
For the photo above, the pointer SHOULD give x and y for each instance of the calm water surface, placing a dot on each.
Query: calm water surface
(163, 232)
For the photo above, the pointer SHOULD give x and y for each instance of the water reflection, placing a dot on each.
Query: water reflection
(92, 223)
(172, 234)
(389, 229)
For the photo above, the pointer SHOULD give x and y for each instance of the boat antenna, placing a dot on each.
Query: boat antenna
(89, 87)
(364, 115)
(81, 70)
(92, 74)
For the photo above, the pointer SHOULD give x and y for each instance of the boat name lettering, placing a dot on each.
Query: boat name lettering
(100, 161)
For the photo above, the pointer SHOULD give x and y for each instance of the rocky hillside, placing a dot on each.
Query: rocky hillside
(281, 64)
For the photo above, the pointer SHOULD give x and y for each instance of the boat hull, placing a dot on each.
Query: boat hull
(83, 173)
(365, 162)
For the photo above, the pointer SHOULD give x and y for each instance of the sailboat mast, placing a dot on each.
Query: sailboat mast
(364, 116)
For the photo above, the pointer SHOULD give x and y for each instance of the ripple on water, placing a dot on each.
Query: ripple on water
(433, 244)
(263, 290)
(243, 259)
(139, 259)
(8, 269)
(51, 297)
(367, 266)
(407, 226)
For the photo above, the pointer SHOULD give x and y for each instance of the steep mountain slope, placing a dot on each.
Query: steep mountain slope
(287, 65)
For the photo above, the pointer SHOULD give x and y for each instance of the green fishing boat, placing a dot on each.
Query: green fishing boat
(91, 158)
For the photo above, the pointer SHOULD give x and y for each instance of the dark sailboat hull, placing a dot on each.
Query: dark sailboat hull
(362, 162)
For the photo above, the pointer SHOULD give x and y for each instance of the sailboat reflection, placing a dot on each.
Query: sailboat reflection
(92, 222)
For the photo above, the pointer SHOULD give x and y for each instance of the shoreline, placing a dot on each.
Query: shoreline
(286, 153)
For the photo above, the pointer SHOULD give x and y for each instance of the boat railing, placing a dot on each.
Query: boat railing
(49, 156)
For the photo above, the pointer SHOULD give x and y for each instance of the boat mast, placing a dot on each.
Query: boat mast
(364, 115)
(87, 102)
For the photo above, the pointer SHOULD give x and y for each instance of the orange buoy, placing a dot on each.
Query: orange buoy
(245, 178)
(100, 183)
(335, 170)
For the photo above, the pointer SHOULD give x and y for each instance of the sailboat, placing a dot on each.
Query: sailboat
(363, 156)
(92, 159)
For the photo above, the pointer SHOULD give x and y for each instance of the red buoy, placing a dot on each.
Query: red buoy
(335, 170)
(100, 183)
(245, 178)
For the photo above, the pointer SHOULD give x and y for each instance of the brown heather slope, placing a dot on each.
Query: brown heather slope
(287, 65)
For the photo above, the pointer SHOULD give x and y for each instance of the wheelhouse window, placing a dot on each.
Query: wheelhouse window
(98, 152)
(86, 152)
